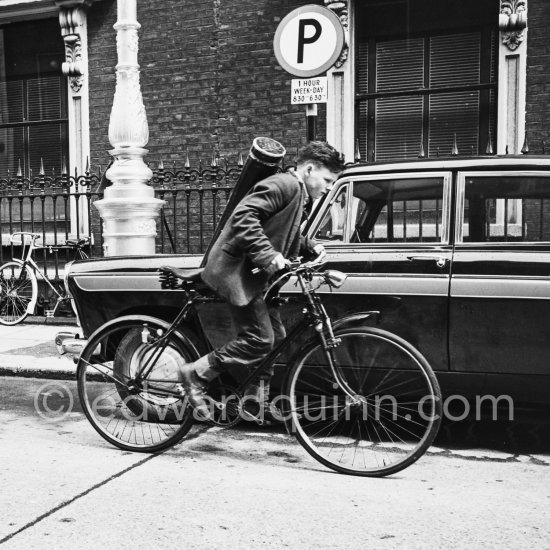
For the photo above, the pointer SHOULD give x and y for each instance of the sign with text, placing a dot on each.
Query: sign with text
(308, 41)
(309, 90)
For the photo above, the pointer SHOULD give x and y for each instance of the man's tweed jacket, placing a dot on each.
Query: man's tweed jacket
(266, 222)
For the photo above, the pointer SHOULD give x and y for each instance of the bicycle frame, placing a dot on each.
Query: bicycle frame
(315, 316)
(27, 259)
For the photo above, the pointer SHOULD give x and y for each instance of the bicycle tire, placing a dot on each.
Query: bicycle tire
(135, 414)
(18, 292)
(358, 435)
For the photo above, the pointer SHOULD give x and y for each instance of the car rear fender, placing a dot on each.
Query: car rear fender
(130, 319)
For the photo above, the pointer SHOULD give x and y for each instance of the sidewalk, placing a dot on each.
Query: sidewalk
(29, 349)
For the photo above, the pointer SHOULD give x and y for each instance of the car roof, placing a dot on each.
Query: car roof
(452, 163)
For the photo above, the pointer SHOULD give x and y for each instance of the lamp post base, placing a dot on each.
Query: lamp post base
(129, 208)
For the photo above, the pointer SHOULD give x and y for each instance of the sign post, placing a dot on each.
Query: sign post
(308, 41)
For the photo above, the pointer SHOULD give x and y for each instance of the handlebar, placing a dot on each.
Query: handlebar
(33, 236)
(295, 265)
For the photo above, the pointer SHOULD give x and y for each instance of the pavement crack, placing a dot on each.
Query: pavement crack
(66, 503)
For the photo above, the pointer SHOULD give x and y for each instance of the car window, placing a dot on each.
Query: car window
(400, 210)
(504, 208)
(334, 221)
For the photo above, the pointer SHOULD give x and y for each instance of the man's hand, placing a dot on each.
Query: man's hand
(278, 263)
(319, 249)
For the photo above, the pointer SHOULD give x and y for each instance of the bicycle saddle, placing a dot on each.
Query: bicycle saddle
(79, 242)
(170, 276)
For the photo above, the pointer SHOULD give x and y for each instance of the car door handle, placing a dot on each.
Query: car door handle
(439, 260)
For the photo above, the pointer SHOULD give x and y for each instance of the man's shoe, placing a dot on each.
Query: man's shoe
(194, 391)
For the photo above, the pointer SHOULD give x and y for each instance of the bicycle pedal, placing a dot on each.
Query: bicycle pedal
(217, 405)
(249, 417)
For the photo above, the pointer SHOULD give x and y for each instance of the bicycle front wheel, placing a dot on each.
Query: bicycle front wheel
(374, 412)
(18, 292)
(129, 384)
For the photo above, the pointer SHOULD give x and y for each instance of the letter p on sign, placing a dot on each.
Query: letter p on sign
(308, 41)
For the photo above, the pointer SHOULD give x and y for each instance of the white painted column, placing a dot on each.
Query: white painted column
(341, 102)
(129, 208)
(512, 80)
(73, 23)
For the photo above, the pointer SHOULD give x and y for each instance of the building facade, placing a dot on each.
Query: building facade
(416, 78)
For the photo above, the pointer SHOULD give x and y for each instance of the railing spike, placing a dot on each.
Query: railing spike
(41, 171)
(187, 164)
(213, 162)
(525, 148)
(240, 161)
(454, 150)
(64, 169)
(357, 156)
(87, 170)
(19, 172)
(161, 164)
(506, 150)
(421, 153)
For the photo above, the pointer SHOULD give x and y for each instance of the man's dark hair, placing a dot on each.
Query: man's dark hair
(321, 153)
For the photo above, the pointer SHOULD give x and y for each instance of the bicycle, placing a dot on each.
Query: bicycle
(18, 278)
(359, 399)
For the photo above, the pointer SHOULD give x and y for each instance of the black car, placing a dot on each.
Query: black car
(454, 254)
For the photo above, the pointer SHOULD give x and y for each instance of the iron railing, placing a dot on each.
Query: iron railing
(60, 207)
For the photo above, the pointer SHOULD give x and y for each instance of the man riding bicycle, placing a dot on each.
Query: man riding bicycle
(262, 232)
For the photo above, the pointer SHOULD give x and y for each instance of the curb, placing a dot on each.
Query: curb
(28, 366)
(19, 372)
(54, 321)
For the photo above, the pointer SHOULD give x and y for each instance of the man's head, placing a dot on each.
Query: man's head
(319, 164)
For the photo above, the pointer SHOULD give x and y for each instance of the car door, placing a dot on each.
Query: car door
(390, 234)
(500, 285)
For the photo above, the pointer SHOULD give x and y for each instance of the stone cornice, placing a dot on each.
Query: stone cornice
(17, 11)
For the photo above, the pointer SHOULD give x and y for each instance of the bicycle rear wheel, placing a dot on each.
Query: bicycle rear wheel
(137, 412)
(18, 292)
(379, 417)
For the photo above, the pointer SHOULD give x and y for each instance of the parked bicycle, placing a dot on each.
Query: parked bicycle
(359, 399)
(19, 282)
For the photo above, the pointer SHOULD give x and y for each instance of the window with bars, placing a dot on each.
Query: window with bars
(33, 121)
(33, 97)
(424, 92)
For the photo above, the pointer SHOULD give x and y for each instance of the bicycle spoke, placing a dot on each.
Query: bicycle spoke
(128, 410)
(371, 421)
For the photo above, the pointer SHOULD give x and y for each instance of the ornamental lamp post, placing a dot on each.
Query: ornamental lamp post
(129, 208)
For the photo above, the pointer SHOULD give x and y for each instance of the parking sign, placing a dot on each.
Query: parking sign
(308, 40)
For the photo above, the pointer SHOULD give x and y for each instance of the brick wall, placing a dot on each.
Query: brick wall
(538, 76)
(209, 78)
